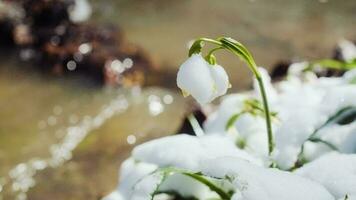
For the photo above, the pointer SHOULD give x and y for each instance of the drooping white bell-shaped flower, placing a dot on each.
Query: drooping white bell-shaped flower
(202, 80)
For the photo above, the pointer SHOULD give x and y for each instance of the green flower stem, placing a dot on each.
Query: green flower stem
(241, 51)
(268, 116)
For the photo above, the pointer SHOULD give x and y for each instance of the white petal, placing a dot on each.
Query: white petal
(220, 78)
(194, 77)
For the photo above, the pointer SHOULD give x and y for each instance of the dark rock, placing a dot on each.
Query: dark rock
(6, 32)
(186, 127)
(46, 36)
(280, 70)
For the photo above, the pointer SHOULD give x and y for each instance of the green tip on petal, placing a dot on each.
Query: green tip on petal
(185, 93)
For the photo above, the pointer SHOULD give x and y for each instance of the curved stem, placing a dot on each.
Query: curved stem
(241, 51)
(268, 116)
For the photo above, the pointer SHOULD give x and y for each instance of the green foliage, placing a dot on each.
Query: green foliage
(196, 47)
(332, 64)
(166, 172)
(343, 116)
(240, 51)
(251, 106)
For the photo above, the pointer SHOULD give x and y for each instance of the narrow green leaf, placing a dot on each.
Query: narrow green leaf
(318, 140)
(211, 185)
(196, 47)
(230, 123)
(196, 176)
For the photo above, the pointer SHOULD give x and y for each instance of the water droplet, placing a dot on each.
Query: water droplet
(78, 57)
(117, 66)
(127, 63)
(42, 124)
(131, 139)
(85, 48)
(55, 40)
(73, 119)
(155, 108)
(57, 110)
(71, 65)
(168, 99)
(52, 120)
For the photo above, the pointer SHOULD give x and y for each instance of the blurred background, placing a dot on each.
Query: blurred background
(82, 82)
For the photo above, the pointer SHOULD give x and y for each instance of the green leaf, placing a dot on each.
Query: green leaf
(343, 116)
(196, 47)
(196, 176)
(318, 140)
(251, 106)
(347, 117)
(211, 59)
(332, 64)
(230, 123)
(346, 197)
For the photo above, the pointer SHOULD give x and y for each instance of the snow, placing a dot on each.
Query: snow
(337, 172)
(186, 151)
(302, 107)
(258, 183)
(131, 173)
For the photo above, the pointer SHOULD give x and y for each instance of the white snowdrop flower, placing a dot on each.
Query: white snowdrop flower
(221, 80)
(203, 81)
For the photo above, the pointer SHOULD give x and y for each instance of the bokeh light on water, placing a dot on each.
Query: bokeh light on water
(56, 117)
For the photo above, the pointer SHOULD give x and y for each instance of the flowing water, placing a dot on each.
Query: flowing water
(44, 120)
(65, 138)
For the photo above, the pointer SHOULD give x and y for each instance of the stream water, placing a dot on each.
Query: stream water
(65, 138)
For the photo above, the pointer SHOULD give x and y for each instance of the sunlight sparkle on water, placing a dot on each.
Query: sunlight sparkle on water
(154, 105)
(131, 139)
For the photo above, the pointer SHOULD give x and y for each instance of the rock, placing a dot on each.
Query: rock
(47, 36)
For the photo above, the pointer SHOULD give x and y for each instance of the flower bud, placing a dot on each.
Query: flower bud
(203, 81)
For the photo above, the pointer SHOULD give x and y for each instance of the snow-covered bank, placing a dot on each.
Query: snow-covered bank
(314, 156)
